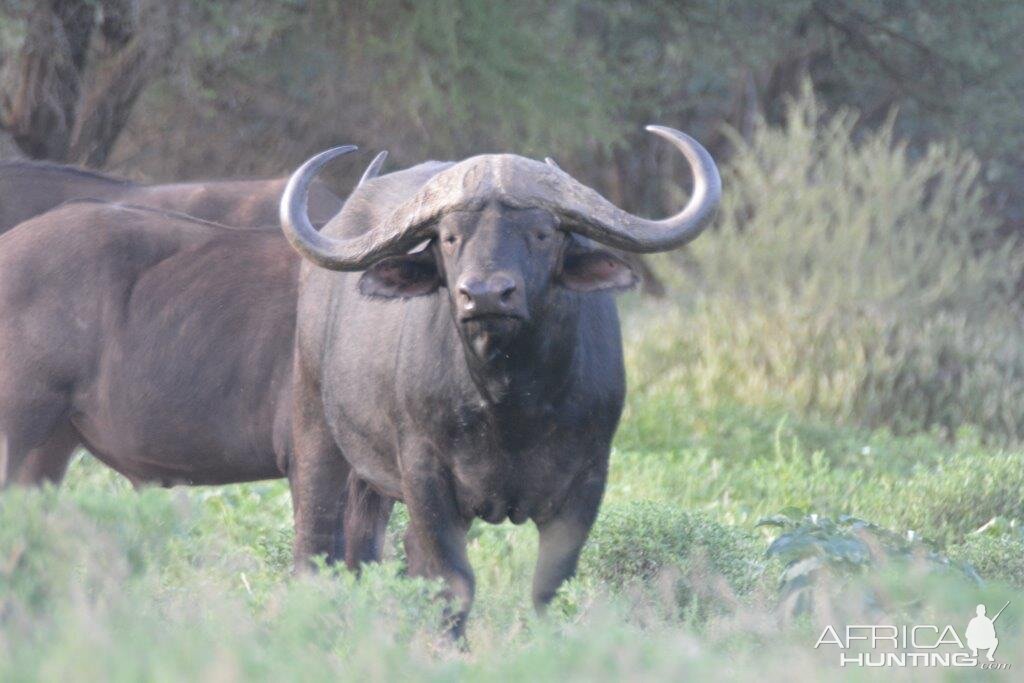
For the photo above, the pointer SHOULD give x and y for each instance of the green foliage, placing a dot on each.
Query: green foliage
(996, 557)
(257, 85)
(845, 342)
(870, 54)
(269, 83)
(742, 464)
(498, 75)
(848, 280)
(959, 494)
(996, 548)
(637, 541)
(932, 50)
(811, 546)
(254, 86)
(100, 582)
(110, 584)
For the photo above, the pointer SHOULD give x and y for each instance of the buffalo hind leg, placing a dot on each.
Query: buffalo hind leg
(366, 520)
(36, 444)
(47, 464)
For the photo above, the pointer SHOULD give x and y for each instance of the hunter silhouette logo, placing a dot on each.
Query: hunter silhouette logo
(981, 633)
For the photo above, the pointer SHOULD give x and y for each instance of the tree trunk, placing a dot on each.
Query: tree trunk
(67, 94)
(41, 85)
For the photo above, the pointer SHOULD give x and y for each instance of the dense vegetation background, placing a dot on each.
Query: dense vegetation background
(842, 357)
(172, 89)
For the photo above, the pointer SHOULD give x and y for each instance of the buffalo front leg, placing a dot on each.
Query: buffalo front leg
(436, 541)
(563, 535)
(317, 475)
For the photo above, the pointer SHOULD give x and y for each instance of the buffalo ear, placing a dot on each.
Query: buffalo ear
(590, 270)
(401, 277)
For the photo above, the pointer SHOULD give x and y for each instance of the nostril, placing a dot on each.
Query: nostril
(466, 295)
(504, 287)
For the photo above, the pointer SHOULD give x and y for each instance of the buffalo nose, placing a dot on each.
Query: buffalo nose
(493, 295)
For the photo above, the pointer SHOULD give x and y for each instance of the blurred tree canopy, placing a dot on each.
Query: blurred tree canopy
(251, 87)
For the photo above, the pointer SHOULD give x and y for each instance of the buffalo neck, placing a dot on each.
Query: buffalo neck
(533, 370)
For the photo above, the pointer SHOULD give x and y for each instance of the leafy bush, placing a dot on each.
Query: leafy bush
(996, 557)
(850, 280)
(104, 583)
(635, 542)
(812, 547)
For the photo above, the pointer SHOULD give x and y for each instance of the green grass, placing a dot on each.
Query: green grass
(100, 582)
(753, 463)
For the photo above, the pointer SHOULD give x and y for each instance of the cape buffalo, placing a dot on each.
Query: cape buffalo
(218, 329)
(29, 188)
(481, 376)
(160, 342)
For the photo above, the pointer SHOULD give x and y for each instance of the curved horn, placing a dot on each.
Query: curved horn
(552, 163)
(373, 170)
(355, 253)
(590, 214)
(519, 182)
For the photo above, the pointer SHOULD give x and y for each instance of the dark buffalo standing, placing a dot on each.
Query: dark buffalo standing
(160, 342)
(110, 303)
(238, 317)
(481, 376)
(30, 188)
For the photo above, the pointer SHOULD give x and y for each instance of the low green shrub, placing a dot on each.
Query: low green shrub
(54, 549)
(636, 542)
(740, 464)
(814, 548)
(995, 557)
